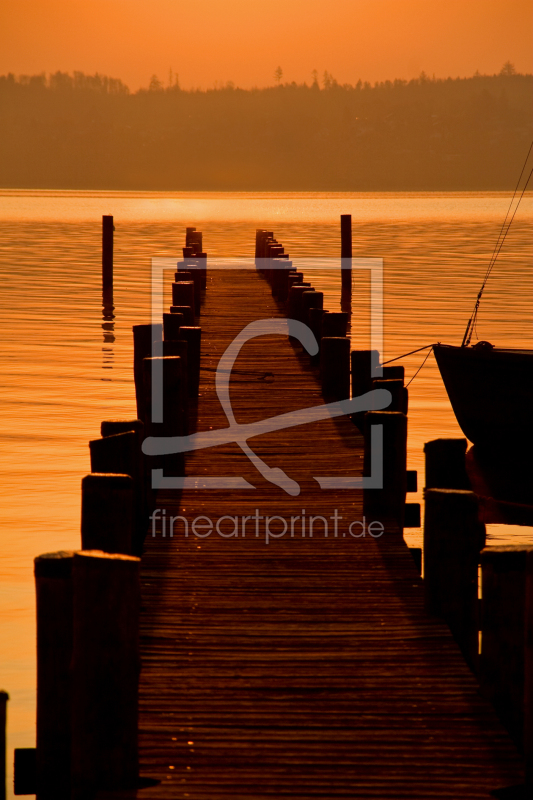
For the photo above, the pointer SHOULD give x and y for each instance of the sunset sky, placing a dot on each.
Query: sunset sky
(208, 41)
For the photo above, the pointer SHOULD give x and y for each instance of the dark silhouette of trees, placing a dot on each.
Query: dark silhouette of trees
(89, 131)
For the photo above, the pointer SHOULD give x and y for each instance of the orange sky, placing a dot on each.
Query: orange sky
(245, 40)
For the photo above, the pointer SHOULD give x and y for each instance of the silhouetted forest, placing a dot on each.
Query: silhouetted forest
(91, 132)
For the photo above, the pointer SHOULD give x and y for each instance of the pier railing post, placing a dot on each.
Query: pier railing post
(53, 594)
(193, 336)
(113, 458)
(453, 539)
(445, 464)
(388, 502)
(105, 672)
(335, 367)
(171, 424)
(144, 337)
(503, 633)
(107, 513)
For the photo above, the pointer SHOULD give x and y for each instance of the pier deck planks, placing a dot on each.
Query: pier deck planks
(305, 668)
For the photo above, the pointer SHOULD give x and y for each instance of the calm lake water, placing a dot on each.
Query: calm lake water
(63, 370)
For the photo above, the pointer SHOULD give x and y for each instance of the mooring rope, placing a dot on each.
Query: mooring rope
(504, 230)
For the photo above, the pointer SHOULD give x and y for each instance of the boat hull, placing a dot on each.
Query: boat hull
(491, 393)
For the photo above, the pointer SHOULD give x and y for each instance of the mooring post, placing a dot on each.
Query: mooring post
(386, 502)
(171, 324)
(193, 336)
(335, 323)
(145, 337)
(121, 454)
(335, 367)
(503, 633)
(107, 261)
(183, 294)
(168, 370)
(311, 299)
(528, 673)
(53, 596)
(364, 370)
(295, 300)
(400, 395)
(346, 256)
(4, 697)
(445, 464)
(453, 540)
(107, 503)
(105, 672)
(316, 316)
(186, 312)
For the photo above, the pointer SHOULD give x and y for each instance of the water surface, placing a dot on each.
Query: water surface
(64, 369)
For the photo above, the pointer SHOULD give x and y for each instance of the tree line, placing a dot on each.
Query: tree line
(90, 132)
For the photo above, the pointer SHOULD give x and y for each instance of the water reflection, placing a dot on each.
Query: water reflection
(108, 328)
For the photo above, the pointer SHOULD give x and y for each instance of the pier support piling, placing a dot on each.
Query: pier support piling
(53, 594)
(453, 539)
(105, 672)
(503, 633)
(107, 505)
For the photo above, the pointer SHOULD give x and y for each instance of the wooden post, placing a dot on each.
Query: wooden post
(107, 504)
(335, 367)
(110, 427)
(503, 634)
(193, 337)
(180, 347)
(107, 261)
(400, 395)
(171, 325)
(311, 299)
(364, 365)
(53, 595)
(295, 301)
(453, 539)
(315, 323)
(105, 672)
(335, 323)
(117, 453)
(121, 454)
(183, 294)
(144, 337)
(170, 369)
(186, 312)
(346, 255)
(4, 697)
(388, 502)
(282, 283)
(194, 273)
(528, 674)
(445, 464)
(195, 240)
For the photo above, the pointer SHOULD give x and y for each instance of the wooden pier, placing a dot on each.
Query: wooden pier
(306, 666)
